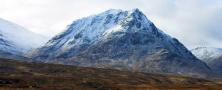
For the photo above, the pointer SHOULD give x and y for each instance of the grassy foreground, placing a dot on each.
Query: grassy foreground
(35, 76)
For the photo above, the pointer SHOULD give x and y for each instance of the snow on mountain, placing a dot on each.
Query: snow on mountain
(212, 56)
(207, 53)
(15, 40)
(19, 36)
(124, 40)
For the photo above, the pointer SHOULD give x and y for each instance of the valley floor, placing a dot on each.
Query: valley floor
(35, 76)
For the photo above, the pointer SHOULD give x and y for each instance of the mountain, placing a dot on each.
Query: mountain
(212, 56)
(15, 40)
(124, 40)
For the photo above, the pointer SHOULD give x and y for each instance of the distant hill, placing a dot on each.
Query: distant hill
(15, 40)
(212, 56)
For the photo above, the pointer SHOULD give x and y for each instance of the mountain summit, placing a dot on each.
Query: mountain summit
(124, 40)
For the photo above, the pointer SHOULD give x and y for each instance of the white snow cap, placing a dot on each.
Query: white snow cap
(207, 53)
(19, 36)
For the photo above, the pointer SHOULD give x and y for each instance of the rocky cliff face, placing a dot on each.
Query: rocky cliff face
(124, 40)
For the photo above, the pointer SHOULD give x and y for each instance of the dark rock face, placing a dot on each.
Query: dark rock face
(124, 40)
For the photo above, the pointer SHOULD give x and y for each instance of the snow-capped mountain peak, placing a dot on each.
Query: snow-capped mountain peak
(93, 28)
(137, 14)
(109, 24)
(207, 53)
(121, 40)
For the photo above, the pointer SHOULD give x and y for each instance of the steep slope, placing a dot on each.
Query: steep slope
(124, 40)
(212, 56)
(14, 40)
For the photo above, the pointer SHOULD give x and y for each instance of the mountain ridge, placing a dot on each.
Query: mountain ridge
(125, 40)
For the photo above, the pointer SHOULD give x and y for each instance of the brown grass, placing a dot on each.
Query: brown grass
(35, 76)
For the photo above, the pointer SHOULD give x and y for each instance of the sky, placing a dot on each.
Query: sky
(196, 23)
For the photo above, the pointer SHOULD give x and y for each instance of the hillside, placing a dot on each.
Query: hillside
(211, 56)
(15, 40)
(23, 75)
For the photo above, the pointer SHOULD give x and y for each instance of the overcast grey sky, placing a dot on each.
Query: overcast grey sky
(194, 22)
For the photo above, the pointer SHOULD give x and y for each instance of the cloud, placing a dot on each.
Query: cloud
(193, 22)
